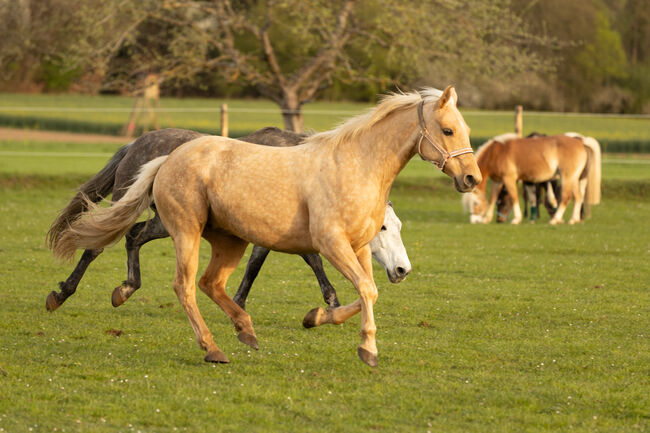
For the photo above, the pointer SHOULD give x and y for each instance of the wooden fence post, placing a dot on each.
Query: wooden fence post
(224, 120)
(519, 121)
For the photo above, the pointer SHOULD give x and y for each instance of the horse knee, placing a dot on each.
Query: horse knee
(370, 292)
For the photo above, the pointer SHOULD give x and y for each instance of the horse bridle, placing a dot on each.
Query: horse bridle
(444, 154)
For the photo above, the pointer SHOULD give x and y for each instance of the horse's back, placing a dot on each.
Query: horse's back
(251, 191)
(146, 148)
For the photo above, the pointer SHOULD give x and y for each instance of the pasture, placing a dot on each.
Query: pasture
(497, 329)
(107, 114)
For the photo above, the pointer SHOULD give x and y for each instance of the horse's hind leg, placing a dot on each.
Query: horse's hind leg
(255, 262)
(227, 251)
(316, 264)
(578, 198)
(187, 261)
(569, 186)
(140, 234)
(69, 286)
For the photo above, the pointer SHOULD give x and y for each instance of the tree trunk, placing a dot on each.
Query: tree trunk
(291, 112)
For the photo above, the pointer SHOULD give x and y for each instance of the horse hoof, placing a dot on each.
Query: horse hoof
(367, 357)
(216, 356)
(249, 339)
(51, 303)
(312, 318)
(121, 294)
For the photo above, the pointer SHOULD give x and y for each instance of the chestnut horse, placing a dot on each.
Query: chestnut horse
(506, 159)
(327, 195)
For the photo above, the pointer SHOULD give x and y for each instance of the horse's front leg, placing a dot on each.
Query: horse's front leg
(511, 186)
(329, 294)
(494, 194)
(356, 267)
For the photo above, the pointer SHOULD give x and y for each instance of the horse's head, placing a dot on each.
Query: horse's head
(476, 204)
(388, 249)
(444, 141)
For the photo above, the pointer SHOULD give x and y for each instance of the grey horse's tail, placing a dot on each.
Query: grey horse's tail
(99, 226)
(93, 191)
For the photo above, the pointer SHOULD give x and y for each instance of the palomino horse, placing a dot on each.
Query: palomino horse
(327, 195)
(119, 173)
(386, 247)
(537, 159)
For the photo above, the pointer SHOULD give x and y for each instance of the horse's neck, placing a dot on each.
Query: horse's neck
(387, 147)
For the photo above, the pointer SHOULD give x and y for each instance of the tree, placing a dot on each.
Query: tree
(290, 50)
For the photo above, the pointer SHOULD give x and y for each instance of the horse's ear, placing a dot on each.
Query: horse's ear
(448, 97)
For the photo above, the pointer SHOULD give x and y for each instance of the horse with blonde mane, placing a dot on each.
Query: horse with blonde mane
(506, 159)
(327, 195)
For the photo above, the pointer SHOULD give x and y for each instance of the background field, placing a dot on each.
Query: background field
(497, 329)
(108, 114)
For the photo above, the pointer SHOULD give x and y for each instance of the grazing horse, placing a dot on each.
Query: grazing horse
(327, 195)
(506, 160)
(117, 176)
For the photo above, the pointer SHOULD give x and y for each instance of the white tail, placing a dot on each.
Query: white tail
(592, 195)
(99, 227)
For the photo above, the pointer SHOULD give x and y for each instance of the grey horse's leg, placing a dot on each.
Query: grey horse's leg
(69, 286)
(329, 294)
(257, 258)
(255, 262)
(140, 234)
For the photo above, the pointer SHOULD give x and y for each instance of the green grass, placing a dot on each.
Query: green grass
(616, 134)
(499, 328)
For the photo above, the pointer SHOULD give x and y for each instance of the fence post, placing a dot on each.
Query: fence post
(224, 120)
(519, 121)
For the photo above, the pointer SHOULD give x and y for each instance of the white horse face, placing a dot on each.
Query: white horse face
(476, 205)
(388, 249)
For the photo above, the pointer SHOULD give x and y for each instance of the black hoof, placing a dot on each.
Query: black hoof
(367, 357)
(52, 303)
(249, 339)
(216, 356)
(117, 298)
(311, 319)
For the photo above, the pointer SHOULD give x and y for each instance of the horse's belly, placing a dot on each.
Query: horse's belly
(274, 227)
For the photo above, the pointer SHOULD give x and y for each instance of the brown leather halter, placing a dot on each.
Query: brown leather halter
(444, 154)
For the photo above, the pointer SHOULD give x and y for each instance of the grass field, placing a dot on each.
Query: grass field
(88, 114)
(499, 328)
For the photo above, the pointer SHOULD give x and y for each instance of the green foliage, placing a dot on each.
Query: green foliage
(497, 329)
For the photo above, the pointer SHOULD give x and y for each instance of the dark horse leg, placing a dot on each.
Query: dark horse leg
(140, 234)
(69, 286)
(257, 258)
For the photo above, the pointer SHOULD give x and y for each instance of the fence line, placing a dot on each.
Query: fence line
(304, 112)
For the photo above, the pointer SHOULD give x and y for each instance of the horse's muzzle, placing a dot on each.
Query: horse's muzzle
(398, 274)
(466, 183)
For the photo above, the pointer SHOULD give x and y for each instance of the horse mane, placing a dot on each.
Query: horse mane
(498, 139)
(390, 103)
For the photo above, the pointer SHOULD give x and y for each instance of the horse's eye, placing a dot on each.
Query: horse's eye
(383, 228)
(448, 132)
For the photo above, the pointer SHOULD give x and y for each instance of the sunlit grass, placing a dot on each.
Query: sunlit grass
(498, 328)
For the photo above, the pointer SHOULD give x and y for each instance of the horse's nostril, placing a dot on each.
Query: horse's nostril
(470, 180)
(402, 272)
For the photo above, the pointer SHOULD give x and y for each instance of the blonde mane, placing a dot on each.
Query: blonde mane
(499, 138)
(352, 128)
